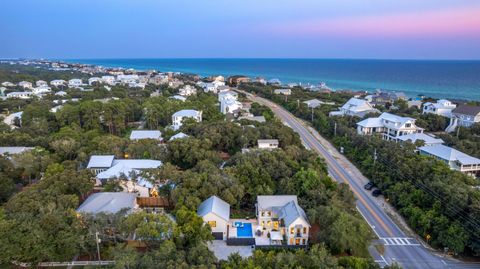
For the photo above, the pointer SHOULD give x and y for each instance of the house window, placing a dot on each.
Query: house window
(212, 224)
(304, 230)
(292, 230)
(263, 213)
(263, 223)
(269, 214)
(291, 241)
(269, 223)
(304, 242)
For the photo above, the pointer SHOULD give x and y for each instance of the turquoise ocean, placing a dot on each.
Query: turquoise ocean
(439, 79)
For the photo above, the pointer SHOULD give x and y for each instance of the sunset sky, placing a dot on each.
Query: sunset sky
(386, 29)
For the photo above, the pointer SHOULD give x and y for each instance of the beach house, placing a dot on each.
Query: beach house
(465, 116)
(267, 143)
(442, 107)
(179, 116)
(355, 107)
(215, 213)
(457, 160)
(146, 134)
(281, 217)
(390, 126)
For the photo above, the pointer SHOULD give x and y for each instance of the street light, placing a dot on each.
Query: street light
(97, 240)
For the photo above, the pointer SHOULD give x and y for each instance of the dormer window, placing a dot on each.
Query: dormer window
(408, 125)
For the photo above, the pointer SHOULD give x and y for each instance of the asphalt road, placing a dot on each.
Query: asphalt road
(398, 246)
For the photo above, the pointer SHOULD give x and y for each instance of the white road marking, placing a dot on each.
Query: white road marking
(398, 241)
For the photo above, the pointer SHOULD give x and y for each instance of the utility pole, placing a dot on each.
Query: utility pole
(298, 103)
(375, 156)
(335, 129)
(97, 240)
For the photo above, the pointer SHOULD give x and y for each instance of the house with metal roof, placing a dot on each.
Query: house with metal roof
(355, 107)
(313, 103)
(109, 202)
(178, 136)
(179, 116)
(442, 107)
(267, 143)
(14, 150)
(215, 213)
(390, 126)
(281, 216)
(428, 140)
(106, 167)
(146, 134)
(457, 160)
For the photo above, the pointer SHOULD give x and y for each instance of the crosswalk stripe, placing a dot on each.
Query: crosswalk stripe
(398, 241)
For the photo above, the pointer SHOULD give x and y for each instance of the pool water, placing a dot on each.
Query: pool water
(244, 230)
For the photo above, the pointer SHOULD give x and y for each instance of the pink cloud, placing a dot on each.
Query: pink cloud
(444, 23)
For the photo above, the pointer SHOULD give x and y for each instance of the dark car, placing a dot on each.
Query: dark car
(376, 192)
(369, 185)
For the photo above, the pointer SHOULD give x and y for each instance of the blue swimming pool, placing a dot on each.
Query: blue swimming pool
(244, 229)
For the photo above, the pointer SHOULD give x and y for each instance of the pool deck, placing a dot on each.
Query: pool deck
(261, 240)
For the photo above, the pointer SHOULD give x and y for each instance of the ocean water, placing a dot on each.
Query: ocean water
(440, 79)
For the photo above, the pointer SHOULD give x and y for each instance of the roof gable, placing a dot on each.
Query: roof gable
(214, 205)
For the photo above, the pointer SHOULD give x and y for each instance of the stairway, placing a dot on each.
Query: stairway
(453, 124)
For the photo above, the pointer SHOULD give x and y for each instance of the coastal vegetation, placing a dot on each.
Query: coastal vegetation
(42, 188)
(441, 205)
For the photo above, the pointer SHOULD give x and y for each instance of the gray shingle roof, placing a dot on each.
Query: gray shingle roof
(108, 202)
(467, 110)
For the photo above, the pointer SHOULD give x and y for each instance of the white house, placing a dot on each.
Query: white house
(25, 84)
(267, 143)
(465, 116)
(354, 107)
(283, 91)
(20, 95)
(8, 84)
(75, 83)
(178, 136)
(41, 83)
(389, 125)
(58, 83)
(314, 103)
(230, 106)
(281, 216)
(441, 107)
(13, 118)
(110, 80)
(187, 90)
(215, 213)
(178, 117)
(93, 80)
(127, 79)
(61, 93)
(457, 160)
(179, 98)
(106, 167)
(146, 134)
(428, 140)
(41, 90)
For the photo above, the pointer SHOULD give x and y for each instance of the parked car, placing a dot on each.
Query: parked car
(369, 185)
(376, 192)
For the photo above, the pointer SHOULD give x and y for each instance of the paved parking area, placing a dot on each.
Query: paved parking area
(222, 251)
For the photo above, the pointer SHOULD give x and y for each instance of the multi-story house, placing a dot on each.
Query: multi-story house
(465, 116)
(457, 160)
(282, 214)
(441, 107)
(390, 126)
(177, 117)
